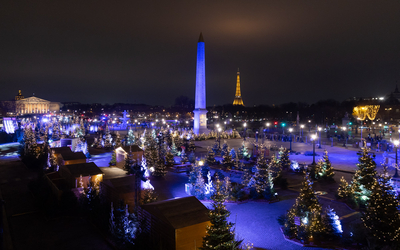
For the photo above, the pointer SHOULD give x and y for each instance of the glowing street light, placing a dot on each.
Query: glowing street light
(290, 138)
(396, 146)
(319, 139)
(219, 137)
(302, 126)
(245, 130)
(313, 138)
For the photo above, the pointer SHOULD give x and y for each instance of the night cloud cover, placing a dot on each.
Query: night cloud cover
(145, 51)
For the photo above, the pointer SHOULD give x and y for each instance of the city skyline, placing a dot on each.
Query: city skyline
(143, 53)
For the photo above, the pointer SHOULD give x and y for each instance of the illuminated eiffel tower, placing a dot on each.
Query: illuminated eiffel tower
(238, 97)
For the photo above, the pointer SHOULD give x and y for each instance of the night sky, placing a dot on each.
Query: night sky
(145, 51)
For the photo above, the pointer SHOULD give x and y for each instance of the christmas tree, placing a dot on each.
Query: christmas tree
(149, 195)
(307, 210)
(123, 225)
(184, 157)
(382, 218)
(128, 162)
(113, 160)
(233, 153)
(191, 145)
(364, 178)
(174, 151)
(131, 140)
(275, 167)
(225, 149)
(55, 131)
(169, 159)
(243, 152)
(344, 190)
(263, 185)
(192, 157)
(332, 224)
(117, 142)
(216, 148)
(284, 158)
(227, 159)
(210, 160)
(160, 170)
(324, 169)
(219, 235)
(151, 154)
(108, 138)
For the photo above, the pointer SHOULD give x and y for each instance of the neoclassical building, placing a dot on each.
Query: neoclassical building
(35, 105)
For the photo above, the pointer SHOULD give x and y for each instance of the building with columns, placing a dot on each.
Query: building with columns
(35, 105)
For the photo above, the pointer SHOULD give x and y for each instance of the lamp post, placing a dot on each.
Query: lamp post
(396, 146)
(244, 125)
(319, 139)
(344, 134)
(219, 138)
(313, 138)
(290, 138)
(302, 127)
(268, 124)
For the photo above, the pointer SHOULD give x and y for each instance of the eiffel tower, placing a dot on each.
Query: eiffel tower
(238, 97)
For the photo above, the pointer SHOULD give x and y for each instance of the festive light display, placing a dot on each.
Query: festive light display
(362, 112)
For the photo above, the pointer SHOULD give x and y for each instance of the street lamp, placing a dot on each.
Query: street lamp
(290, 138)
(319, 139)
(396, 146)
(219, 138)
(244, 125)
(345, 135)
(313, 138)
(302, 126)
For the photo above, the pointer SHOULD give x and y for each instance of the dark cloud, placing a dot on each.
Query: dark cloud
(144, 51)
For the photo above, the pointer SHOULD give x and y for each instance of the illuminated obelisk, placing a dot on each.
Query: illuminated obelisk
(200, 111)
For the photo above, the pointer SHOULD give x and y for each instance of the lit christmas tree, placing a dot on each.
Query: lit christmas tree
(324, 169)
(123, 225)
(243, 152)
(55, 131)
(233, 153)
(210, 160)
(284, 158)
(108, 138)
(225, 149)
(216, 148)
(191, 145)
(364, 178)
(275, 167)
(263, 185)
(160, 170)
(220, 234)
(344, 191)
(308, 211)
(169, 159)
(131, 140)
(174, 151)
(149, 196)
(227, 159)
(128, 162)
(184, 157)
(113, 160)
(151, 154)
(117, 142)
(246, 177)
(332, 224)
(382, 217)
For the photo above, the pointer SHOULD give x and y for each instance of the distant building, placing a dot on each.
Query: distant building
(19, 96)
(34, 105)
(238, 96)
